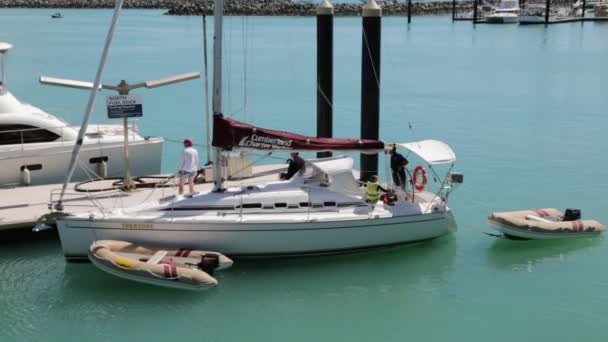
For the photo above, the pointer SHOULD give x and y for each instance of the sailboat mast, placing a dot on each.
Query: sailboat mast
(207, 117)
(217, 84)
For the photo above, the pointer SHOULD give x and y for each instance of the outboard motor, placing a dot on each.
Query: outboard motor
(209, 263)
(572, 214)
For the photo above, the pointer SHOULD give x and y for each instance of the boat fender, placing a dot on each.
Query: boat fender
(420, 178)
(26, 176)
(102, 169)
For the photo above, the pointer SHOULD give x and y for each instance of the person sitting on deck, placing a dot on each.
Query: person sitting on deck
(373, 190)
(296, 164)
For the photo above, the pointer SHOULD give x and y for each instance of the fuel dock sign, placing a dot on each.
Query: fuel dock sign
(124, 106)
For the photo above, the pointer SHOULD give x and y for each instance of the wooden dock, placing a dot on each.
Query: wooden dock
(23, 207)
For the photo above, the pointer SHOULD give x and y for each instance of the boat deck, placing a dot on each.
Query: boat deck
(23, 207)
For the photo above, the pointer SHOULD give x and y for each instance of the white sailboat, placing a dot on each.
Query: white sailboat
(507, 12)
(36, 147)
(322, 209)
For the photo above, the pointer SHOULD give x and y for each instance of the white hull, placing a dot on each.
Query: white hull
(145, 157)
(535, 235)
(257, 239)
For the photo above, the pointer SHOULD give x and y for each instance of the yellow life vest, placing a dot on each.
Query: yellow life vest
(372, 192)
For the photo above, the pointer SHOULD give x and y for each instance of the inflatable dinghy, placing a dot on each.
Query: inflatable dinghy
(183, 268)
(544, 224)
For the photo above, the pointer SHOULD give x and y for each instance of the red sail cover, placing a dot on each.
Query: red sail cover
(229, 133)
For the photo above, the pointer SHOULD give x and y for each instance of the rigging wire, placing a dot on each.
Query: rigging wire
(227, 47)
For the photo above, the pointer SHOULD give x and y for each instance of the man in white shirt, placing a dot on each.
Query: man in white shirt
(188, 166)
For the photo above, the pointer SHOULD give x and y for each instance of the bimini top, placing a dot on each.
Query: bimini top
(431, 151)
(229, 133)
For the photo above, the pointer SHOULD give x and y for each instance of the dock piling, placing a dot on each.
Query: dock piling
(370, 84)
(475, 11)
(584, 5)
(453, 10)
(325, 60)
(547, 9)
(409, 11)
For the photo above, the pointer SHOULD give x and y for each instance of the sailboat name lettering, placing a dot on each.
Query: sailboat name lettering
(137, 226)
(259, 141)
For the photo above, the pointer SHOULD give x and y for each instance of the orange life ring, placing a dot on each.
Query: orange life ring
(419, 171)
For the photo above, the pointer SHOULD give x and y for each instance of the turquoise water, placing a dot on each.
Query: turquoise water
(523, 107)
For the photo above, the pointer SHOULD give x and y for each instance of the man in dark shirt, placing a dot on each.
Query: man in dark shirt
(296, 164)
(398, 164)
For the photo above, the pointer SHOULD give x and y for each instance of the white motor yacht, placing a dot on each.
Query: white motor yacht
(36, 147)
(507, 12)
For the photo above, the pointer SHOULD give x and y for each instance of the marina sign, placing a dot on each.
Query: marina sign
(124, 106)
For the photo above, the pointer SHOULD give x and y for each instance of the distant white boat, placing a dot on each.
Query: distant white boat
(507, 12)
(36, 147)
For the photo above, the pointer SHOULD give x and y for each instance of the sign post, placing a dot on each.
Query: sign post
(125, 106)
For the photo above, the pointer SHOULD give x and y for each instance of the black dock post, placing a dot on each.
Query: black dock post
(409, 11)
(522, 5)
(370, 84)
(325, 78)
(584, 5)
(453, 10)
(547, 8)
(474, 11)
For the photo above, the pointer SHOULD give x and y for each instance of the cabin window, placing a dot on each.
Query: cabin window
(98, 160)
(329, 204)
(32, 167)
(280, 205)
(17, 134)
(250, 206)
(304, 204)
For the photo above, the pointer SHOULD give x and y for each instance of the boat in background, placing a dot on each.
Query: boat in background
(544, 224)
(601, 10)
(507, 12)
(36, 147)
(533, 14)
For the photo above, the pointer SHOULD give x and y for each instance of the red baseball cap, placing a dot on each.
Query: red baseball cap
(188, 141)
